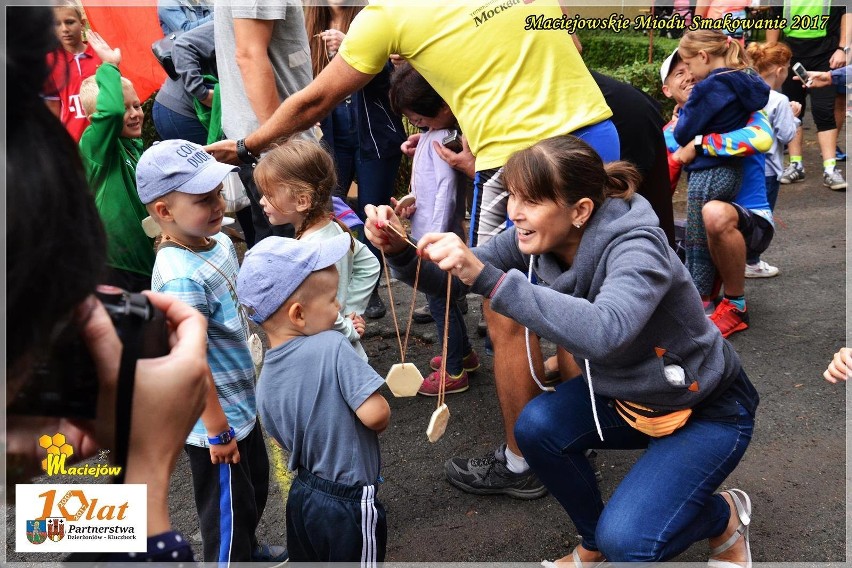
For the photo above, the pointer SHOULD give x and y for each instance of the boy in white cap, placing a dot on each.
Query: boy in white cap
(181, 187)
(318, 399)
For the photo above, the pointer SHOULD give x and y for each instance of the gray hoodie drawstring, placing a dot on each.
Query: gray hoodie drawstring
(551, 389)
(592, 400)
(527, 339)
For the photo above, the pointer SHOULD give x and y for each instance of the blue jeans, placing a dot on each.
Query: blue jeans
(772, 185)
(172, 125)
(663, 505)
(376, 177)
(458, 343)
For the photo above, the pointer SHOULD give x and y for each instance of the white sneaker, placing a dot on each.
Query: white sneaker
(760, 270)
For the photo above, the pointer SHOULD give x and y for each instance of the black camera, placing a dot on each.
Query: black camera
(453, 141)
(64, 382)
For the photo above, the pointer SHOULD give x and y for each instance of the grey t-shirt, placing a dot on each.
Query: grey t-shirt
(288, 51)
(307, 395)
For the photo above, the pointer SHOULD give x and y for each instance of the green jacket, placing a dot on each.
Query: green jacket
(111, 169)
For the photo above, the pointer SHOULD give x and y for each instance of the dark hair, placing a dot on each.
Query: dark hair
(410, 91)
(318, 19)
(55, 242)
(564, 169)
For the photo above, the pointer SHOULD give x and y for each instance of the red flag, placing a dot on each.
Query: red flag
(132, 29)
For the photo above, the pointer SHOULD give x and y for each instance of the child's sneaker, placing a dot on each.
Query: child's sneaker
(792, 173)
(432, 384)
(729, 319)
(760, 270)
(470, 363)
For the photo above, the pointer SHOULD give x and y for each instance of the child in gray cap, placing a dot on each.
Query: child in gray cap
(181, 186)
(318, 399)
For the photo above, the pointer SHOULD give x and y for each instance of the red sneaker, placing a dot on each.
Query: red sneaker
(432, 383)
(729, 319)
(470, 363)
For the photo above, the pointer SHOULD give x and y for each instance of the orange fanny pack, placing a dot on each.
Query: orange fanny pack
(652, 422)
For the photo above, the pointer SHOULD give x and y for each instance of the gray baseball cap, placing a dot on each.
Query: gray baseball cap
(273, 268)
(178, 165)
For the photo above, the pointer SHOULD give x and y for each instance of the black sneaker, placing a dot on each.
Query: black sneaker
(270, 555)
(376, 307)
(422, 315)
(490, 476)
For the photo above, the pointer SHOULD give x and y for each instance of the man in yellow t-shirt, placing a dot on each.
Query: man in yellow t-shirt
(509, 87)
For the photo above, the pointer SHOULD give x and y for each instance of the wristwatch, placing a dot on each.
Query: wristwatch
(843, 49)
(699, 143)
(223, 438)
(244, 154)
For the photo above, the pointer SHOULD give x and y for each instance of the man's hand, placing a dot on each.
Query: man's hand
(838, 59)
(224, 151)
(103, 50)
(463, 161)
(816, 79)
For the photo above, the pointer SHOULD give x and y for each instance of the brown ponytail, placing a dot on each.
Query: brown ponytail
(622, 180)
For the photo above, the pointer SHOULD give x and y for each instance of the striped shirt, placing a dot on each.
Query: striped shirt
(198, 279)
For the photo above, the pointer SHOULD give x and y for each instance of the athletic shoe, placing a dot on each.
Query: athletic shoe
(760, 270)
(270, 554)
(792, 173)
(422, 315)
(840, 154)
(729, 319)
(470, 363)
(375, 307)
(432, 384)
(491, 476)
(834, 180)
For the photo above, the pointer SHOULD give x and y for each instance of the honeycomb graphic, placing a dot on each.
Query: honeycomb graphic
(56, 445)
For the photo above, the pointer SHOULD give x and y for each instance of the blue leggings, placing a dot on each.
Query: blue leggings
(663, 505)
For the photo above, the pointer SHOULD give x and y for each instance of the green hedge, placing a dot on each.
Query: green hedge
(624, 56)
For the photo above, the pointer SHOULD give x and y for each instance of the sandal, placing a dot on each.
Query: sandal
(742, 505)
(575, 556)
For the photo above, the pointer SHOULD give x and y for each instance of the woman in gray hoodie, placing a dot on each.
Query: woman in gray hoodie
(587, 267)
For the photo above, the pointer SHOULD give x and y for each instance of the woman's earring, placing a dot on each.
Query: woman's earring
(578, 224)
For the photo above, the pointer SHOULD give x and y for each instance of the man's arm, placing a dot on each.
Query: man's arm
(299, 111)
(838, 57)
(252, 39)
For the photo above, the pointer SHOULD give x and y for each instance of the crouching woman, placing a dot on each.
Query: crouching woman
(587, 267)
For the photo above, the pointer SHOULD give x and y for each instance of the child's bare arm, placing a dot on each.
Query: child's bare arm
(216, 422)
(374, 413)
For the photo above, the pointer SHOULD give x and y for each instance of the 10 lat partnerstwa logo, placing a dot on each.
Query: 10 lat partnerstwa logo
(79, 517)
